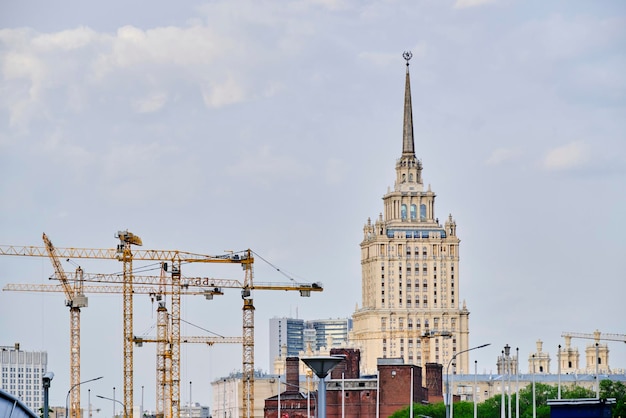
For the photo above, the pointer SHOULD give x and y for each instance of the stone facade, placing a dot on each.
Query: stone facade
(411, 305)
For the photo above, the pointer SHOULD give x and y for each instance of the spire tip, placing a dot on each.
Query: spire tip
(407, 55)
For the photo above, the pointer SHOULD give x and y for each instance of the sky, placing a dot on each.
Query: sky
(275, 126)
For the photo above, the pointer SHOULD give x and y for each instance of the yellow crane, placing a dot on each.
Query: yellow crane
(126, 254)
(215, 285)
(425, 341)
(144, 290)
(164, 367)
(76, 299)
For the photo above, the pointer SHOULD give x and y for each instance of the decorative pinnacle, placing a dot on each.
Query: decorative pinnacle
(407, 56)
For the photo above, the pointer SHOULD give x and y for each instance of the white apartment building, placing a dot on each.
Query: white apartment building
(21, 374)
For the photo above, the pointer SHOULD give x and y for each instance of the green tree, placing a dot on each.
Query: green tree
(491, 407)
(617, 390)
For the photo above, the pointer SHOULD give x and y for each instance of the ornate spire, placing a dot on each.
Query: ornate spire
(408, 144)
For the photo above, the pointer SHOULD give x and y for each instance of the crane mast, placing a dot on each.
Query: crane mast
(248, 340)
(125, 255)
(75, 300)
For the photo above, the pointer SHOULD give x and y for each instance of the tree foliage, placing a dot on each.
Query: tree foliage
(491, 407)
(617, 390)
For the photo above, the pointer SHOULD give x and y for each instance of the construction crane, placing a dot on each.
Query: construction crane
(164, 346)
(216, 284)
(76, 299)
(246, 287)
(126, 254)
(597, 336)
(114, 289)
(425, 341)
(164, 367)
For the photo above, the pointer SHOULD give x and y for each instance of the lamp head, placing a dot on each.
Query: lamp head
(47, 379)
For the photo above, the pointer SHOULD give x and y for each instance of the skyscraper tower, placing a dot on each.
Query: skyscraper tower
(410, 273)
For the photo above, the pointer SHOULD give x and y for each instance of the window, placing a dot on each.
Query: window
(423, 212)
(413, 212)
(403, 212)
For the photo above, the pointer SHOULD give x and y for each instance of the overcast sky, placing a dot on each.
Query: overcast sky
(275, 126)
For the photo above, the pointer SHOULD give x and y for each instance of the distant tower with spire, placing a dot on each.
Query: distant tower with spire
(411, 306)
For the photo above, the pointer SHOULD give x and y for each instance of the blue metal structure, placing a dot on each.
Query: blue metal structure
(12, 407)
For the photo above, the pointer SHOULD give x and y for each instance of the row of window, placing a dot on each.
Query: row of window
(413, 212)
(417, 283)
(418, 324)
(417, 268)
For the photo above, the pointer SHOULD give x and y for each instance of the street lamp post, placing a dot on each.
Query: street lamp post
(450, 400)
(558, 396)
(507, 351)
(534, 396)
(46, 380)
(70, 391)
(224, 397)
(517, 382)
(288, 385)
(115, 401)
(475, 392)
(502, 381)
(321, 366)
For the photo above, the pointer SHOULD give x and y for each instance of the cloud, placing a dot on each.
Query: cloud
(266, 167)
(150, 104)
(503, 155)
(224, 93)
(567, 157)
(332, 4)
(464, 4)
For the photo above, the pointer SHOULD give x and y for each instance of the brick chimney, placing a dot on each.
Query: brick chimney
(350, 366)
(434, 379)
(292, 371)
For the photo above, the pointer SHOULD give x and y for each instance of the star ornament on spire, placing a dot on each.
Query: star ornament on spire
(407, 56)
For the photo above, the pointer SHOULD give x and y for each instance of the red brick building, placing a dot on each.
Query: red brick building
(393, 388)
